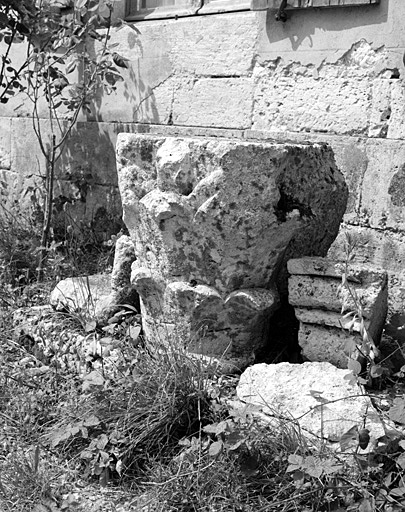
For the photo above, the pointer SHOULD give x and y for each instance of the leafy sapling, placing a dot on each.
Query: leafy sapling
(363, 355)
(69, 61)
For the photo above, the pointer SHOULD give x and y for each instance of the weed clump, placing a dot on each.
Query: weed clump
(84, 406)
(138, 409)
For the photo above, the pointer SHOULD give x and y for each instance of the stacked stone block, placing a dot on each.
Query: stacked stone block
(316, 293)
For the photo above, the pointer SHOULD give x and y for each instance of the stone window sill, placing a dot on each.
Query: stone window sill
(261, 5)
(180, 8)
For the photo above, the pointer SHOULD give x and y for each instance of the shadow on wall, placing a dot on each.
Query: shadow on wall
(141, 96)
(301, 24)
(86, 192)
(135, 98)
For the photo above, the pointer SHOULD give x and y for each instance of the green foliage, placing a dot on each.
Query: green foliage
(69, 60)
(126, 412)
(61, 46)
(63, 65)
(19, 237)
(70, 253)
(363, 355)
(138, 408)
(15, 26)
(91, 405)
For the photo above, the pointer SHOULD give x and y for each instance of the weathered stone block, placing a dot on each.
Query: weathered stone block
(358, 93)
(291, 390)
(195, 43)
(5, 143)
(232, 327)
(289, 98)
(322, 343)
(327, 267)
(328, 294)
(214, 102)
(380, 109)
(213, 223)
(396, 129)
(325, 336)
(331, 319)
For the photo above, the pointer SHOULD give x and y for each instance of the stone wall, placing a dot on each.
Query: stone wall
(326, 75)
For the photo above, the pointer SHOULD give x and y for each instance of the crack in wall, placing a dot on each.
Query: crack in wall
(152, 92)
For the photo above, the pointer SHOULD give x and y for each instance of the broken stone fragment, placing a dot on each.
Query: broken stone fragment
(93, 296)
(315, 395)
(124, 256)
(85, 294)
(213, 222)
(123, 291)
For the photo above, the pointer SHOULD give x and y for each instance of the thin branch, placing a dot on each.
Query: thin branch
(21, 381)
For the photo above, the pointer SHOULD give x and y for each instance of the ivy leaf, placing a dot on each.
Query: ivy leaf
(234, 440)
(215, 449)
(91, 421)
(330, 468)
(397, 411)
(376, 370)
(79, 4)
(348, 438)
(94, 378)
(354, 366)
(398, 492)
(134, 331)
(401, 460)
(216, 428)
(119, 61)
(350, 346)
(295, 462)
(60, 435)
(314, 471)
(90, 326)
(102, 441)
(364, 438)
(366, 506)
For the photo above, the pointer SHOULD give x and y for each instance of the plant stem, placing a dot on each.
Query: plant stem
(49, 184)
